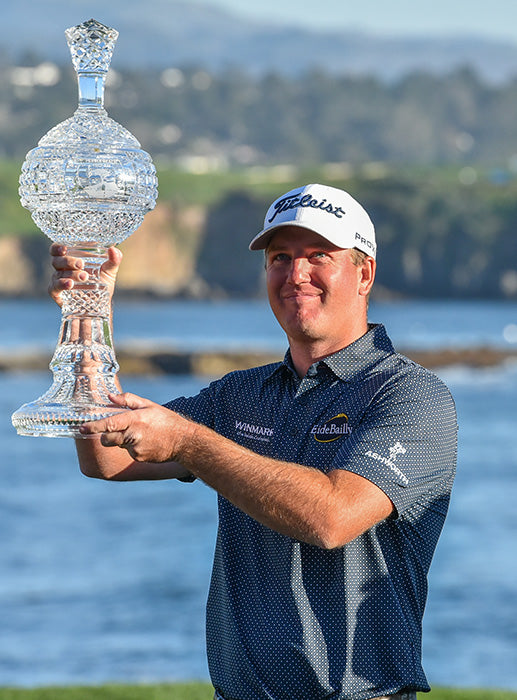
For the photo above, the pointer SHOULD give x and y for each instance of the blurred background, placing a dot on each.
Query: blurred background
(414, 113)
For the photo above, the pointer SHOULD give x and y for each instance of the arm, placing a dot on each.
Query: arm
(326, 510)
(95, 460)
(100, 462)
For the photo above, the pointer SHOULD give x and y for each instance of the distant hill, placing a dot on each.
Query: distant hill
(161, 33)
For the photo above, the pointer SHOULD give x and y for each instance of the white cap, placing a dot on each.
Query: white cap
(329, 212)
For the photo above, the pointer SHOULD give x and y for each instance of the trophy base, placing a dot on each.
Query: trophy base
(47, 419)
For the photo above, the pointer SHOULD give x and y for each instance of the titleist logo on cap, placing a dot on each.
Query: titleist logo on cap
(306, 201)
(328, 211)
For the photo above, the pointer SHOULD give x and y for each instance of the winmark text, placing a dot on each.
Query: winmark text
(255, 432)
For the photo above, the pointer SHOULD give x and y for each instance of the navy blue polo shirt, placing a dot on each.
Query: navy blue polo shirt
(290, 621)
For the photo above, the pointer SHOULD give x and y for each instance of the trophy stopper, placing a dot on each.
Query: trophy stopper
(91, 46)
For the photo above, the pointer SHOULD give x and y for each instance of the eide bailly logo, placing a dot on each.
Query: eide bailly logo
(333, 429)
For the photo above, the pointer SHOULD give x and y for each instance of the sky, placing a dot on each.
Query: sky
(487, 18)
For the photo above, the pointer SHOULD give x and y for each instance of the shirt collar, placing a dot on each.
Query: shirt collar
(355, 359)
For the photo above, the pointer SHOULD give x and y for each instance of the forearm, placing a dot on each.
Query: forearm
(292, 499)
(115, 464)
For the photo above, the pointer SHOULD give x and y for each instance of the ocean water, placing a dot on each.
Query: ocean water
(250, 324)
(109, 581)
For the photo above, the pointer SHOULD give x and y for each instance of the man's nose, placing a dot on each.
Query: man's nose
(299, 271)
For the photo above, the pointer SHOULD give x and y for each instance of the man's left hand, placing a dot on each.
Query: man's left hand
(148, 431)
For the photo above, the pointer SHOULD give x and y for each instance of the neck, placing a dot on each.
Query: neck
(305, 354)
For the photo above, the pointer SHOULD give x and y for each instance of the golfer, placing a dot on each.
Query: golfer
(333, 470)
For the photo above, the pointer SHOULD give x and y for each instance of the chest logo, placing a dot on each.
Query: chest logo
(333, 429)
(253, 432)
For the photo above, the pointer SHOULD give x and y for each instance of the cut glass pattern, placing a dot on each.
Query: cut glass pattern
(91, 45)
(87, 184)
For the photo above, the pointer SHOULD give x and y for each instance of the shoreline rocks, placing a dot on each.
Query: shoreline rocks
(217, 363)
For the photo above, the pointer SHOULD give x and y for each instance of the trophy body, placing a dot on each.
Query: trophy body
(87, 185)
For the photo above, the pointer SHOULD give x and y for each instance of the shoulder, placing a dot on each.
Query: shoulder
(403, 371)
(411, 374)
(253, 376)
(381, 369)
(400, 382)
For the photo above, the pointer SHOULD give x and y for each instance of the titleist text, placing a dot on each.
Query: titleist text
(305, 201)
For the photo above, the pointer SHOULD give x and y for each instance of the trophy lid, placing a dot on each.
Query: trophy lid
(91, 45)
(88, 179)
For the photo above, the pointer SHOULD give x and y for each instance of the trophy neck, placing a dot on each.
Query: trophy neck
(91, 90)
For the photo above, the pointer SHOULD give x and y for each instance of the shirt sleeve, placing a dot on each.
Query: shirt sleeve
(406, 441)
(199, 408)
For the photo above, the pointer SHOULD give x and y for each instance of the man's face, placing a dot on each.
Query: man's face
(316, 292)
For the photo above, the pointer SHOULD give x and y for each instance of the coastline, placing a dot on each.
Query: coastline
(139, 361)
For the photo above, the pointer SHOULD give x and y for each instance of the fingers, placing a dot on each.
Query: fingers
(72, 267)
(115, 431)
(114, 259)
(118, 422)
(109, 269)
(132, 401)
(114, 440)
(61, 261)
(112, 425)
(67, 271)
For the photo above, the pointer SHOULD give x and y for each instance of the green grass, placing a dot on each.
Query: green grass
(15, 219)
(200, 691)
(161, 691)
(467, 694)
(206, 189)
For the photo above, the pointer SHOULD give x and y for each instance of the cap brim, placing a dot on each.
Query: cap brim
(261, 240)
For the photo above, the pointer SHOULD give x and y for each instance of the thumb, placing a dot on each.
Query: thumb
(131, 401)
(112, 264)
(114, 257)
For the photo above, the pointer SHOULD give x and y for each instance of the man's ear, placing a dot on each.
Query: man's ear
(367, 272)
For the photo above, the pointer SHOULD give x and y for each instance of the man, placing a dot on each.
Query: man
(333, 469)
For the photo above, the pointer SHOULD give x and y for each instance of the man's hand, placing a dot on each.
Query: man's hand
(148, 431)
(68, 270)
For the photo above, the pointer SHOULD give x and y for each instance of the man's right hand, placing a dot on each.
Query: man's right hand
(69, 270)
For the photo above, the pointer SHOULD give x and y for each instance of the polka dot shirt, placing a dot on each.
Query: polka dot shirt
(290, 621)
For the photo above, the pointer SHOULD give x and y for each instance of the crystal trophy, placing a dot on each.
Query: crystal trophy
(88, 185)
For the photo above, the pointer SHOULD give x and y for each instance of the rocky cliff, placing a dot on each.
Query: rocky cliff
(435, 242)
(159, 258)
